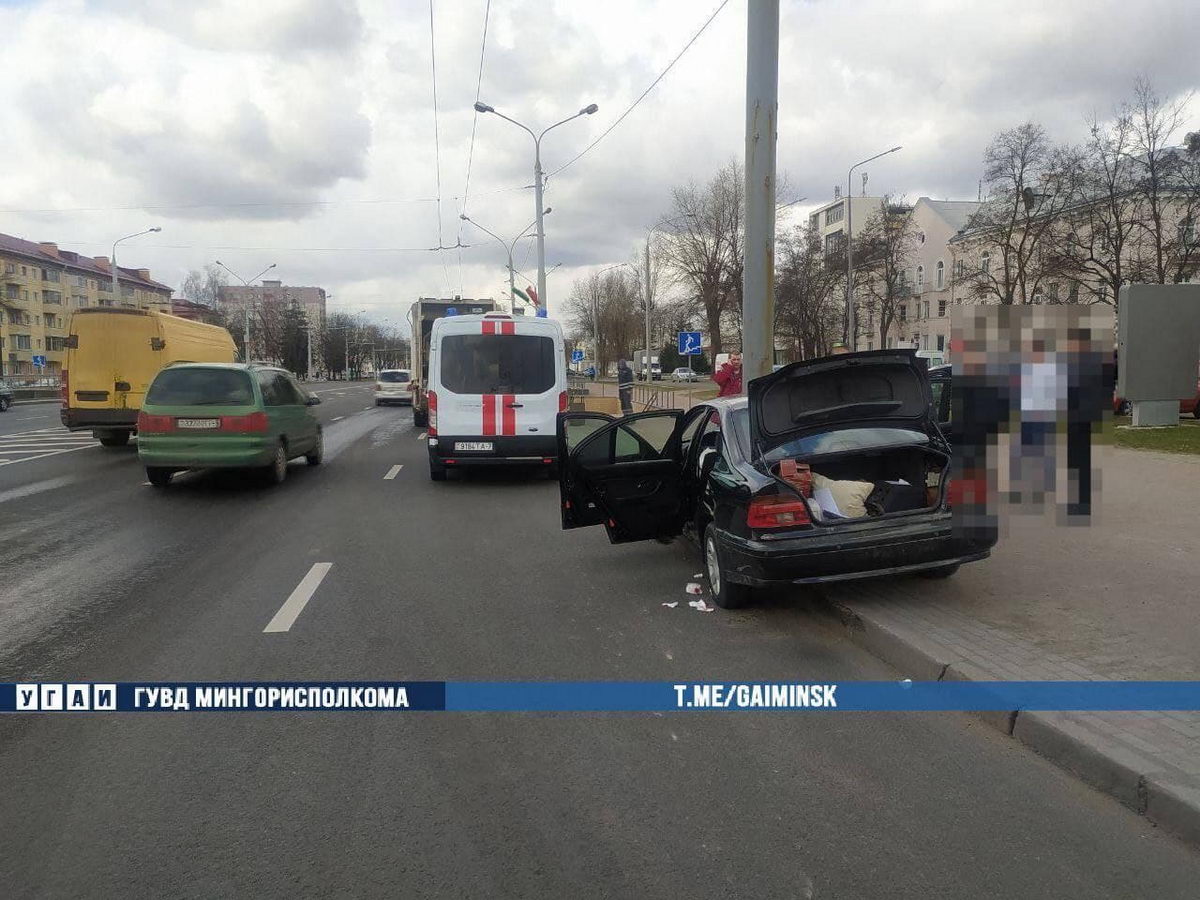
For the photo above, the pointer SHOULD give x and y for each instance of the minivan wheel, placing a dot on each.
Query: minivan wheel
(316, 455)
(725, 593)
(158, 476)
(117, 438)
(277, 470)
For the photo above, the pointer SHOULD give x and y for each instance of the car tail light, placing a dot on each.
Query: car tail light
(777, 511)
(148, 424)
(254, 423)
(967, 491)
(562, 401)
(64, 390)
(431, 429)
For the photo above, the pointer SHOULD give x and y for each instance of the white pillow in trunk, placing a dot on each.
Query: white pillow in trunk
(850, 496)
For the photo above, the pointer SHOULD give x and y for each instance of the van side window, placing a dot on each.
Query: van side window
(290, 391)
(268, 384)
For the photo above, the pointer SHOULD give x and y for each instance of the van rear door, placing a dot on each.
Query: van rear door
(499, 377)
(112, 360)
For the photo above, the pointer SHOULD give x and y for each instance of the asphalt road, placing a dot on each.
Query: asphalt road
(107, 579)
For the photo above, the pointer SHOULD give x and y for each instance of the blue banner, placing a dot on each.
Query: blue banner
(597, 696)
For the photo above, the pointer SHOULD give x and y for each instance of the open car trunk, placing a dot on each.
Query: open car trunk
(865, 485)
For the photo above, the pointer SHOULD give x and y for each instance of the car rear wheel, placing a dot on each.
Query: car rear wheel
(5, 403)
(725, 593)
(420, 418)
(277, 470)
(316, 455)
(117, 438)
(939, 572)
(158, 476)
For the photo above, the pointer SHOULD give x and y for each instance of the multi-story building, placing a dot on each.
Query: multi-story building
(40, 285)
(233, 299)
(923, 314)
(830, 223)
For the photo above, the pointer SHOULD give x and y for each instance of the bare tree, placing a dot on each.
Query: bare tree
(204, 286)
(610, 301)
(1027, 193)
(883, 251)
(809, 301)
(1165, 181)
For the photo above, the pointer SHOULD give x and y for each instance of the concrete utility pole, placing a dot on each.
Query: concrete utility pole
(116, 286)
(762, 110)
(649, 300)
(538, 184)
(246, 309)
(509, 246)
(851, 317)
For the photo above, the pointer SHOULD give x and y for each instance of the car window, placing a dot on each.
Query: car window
(575, 431)
(638, 440)
(689, 432)
(846, 439)
(270, 389)
(201, 387)
(497, 364)
(290, 391)
(398, 377)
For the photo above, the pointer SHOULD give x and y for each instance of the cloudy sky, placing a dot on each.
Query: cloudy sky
(302, 132)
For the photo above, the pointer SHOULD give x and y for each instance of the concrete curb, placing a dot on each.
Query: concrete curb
(1170, 800)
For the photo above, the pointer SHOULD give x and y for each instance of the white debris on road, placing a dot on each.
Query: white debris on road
(700, 605)
(694, 588)
(672, 604)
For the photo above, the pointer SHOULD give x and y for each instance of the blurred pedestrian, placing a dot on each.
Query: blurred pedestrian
(625, 387)
(1089, 389)
(729, 376)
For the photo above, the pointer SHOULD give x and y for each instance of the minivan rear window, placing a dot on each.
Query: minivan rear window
(497, 364)
(398, 377)
(201, 387)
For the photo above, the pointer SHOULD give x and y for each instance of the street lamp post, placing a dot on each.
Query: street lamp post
(246, 338)
(508, 248)
(537, 183)
(116, 286)
(851, 339)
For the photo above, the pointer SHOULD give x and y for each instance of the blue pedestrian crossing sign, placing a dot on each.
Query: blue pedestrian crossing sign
(39, 362)
(689, 343)
(576, 356)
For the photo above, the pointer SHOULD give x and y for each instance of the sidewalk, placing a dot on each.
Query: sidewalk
(1117, 600)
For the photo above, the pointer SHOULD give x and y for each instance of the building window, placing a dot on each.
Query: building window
(10, 269)
(80, 300)
(834, 243)
(22, 342)
(79, 281)
(23, 272)
(56, 343)
(920, 278)
(941, 310)
(960, 268)
(51, 297)
(1054, 292)
(985, 263)
(50, 275)
(920, 237)
(941, 342)
(1187, 232)
(11, 292)
(903, 312)
(1073, 294)
(941, 274)
(925, 309)
(834, 214)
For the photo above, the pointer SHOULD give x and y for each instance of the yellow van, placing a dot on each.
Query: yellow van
(114, 354)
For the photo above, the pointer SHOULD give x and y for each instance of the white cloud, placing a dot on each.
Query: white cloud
(210, 107)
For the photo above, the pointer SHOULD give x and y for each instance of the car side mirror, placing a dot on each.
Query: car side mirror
(312, 400)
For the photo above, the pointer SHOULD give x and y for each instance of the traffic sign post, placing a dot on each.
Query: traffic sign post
(39, 362)
(576, 356)
(689, 343)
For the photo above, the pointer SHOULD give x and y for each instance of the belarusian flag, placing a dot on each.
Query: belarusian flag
(524, 296)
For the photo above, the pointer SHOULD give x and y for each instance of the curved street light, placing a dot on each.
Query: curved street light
(537, 181)
(116, 287)
(508, 248)
(851, 340)
(246, 309)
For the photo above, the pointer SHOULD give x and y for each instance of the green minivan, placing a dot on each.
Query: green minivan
(226, 415)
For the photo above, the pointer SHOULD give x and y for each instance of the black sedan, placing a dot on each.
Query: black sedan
(721, 474)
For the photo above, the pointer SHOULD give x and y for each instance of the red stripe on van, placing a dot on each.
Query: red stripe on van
(489, 327)
(489, 411)
(510, 414)
(508, 327)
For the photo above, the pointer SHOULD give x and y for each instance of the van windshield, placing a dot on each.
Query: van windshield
(201, 387)
(497, 364)
(397, 377)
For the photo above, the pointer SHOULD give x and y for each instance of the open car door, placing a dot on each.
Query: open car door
(625, 473)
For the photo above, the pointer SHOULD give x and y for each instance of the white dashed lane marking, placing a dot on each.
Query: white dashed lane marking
(392, 472)
(295, 603)
(26, 446)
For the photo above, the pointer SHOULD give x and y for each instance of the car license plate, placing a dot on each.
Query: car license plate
(197, 423)
(465, 446)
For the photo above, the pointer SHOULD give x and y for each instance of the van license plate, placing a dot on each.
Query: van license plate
(197, 423)
(461, 446)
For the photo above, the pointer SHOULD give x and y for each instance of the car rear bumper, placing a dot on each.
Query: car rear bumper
(393, 397)
(82, 419)
(206, 452)
(821, 557)
(519, 450)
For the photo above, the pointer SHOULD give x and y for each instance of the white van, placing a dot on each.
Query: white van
(496, 385)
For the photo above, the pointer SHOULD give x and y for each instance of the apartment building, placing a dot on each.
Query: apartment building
(831, 224)
(923, 316)
(233, 299)
(40, 285)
